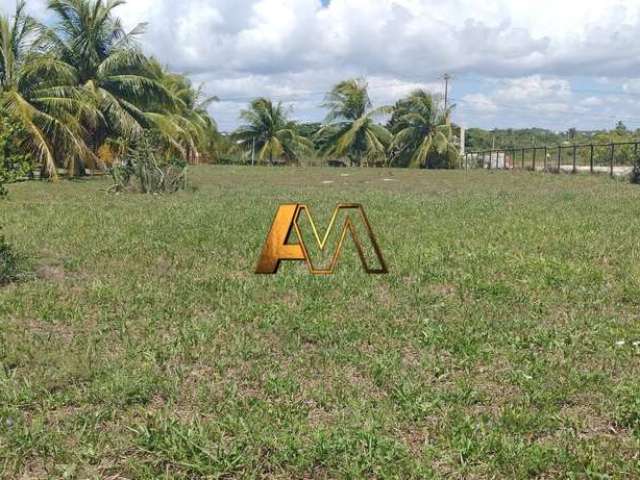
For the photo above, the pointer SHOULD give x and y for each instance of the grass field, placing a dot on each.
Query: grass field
(505, 342)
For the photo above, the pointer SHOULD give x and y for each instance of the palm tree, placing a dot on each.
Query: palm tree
(37, 91)
(421, 131)
(108, 66)
(270, 133)
(350, 128)
(186, 126)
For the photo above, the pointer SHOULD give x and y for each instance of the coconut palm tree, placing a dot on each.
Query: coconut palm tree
(351, 130)
(268, 132)
(108, 66)
(422, 132)
(186, 126)
(38, 91)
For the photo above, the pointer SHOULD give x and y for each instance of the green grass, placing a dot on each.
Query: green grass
(503, 344)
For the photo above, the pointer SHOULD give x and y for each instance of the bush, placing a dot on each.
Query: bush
(9, 263)
(144, 169)
(446, 160)
(14, 162)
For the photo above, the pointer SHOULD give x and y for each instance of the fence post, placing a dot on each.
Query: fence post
(591, 159)
(575, 167)
(534, 158)
(546, 153)
(613, 146)
(523, 158)
(559, 158)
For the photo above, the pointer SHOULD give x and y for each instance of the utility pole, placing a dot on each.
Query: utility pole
(447, 77)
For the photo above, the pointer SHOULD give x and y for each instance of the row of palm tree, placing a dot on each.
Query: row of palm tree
(83, 91)
(417, 134)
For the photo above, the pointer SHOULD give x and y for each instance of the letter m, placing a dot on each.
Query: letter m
(347, 219)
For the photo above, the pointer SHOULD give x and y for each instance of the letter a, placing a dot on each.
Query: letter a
(276, 247)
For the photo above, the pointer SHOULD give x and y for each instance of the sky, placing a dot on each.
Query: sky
(553, 64)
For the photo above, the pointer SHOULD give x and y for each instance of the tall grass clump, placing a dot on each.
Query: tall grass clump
(10, 263)
(146, 169)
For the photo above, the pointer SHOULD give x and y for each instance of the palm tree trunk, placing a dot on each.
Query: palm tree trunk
(79, 168)
(43, 171)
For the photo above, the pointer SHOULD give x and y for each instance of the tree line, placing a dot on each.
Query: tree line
(509, 138)
(513, 140)
(417, 133)
(79, 93)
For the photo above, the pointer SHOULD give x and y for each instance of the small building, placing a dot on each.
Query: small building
(491, 161)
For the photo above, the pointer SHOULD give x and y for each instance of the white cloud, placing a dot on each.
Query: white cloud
(534, 88)
(479, 103)
(592, 102)
(526, 55)
(632, 86)
(523, 97)
(552, 107)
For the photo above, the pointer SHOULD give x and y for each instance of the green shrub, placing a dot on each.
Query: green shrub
(14, 162)
(446, 160)
(146, 170)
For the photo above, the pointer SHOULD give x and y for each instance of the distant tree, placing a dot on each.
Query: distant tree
(271, 133)
(621, 127)
(184, 124)
(422, 135)
(351, 130)
(479, 139)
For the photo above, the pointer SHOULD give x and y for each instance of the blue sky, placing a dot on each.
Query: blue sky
(550, 63)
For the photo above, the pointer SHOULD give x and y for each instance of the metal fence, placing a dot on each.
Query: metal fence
(612, 158)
